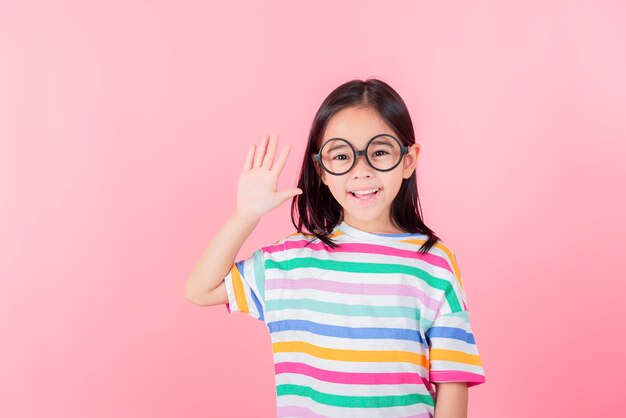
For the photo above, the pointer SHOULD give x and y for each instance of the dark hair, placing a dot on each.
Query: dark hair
(316, 208)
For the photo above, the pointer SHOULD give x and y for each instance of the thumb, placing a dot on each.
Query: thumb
(287, 194)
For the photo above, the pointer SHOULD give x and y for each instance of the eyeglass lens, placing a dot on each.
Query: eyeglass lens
(338, 157)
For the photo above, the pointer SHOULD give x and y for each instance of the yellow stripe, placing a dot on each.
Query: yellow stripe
(300, 233)
(445, 249)
(452, 259)
(456, 356)
(350, 355)
(240, 296)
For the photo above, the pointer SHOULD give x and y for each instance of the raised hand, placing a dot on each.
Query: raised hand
(257, 192)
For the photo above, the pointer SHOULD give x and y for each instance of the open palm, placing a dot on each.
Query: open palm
(257, 191)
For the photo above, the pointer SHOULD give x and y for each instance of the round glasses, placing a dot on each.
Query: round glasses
(383, 153)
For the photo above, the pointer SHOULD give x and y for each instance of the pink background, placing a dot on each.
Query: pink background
(123, 128)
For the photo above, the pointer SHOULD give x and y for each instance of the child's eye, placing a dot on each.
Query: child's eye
(379, 153)
(336, 157)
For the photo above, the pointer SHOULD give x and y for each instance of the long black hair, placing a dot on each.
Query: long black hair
(315, 208)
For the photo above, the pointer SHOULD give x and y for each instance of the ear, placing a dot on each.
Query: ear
(410, 161)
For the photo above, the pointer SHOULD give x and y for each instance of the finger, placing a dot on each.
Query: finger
(248, 164)
(280, 162)
(260, 152)
(288, 194)
(271, 151)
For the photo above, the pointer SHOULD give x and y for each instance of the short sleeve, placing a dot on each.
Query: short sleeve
(245, 286)
(453, 352)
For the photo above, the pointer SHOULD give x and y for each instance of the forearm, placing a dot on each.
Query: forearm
(217, 259)
(451, 400)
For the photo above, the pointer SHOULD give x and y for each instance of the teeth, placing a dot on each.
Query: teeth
(364, 191)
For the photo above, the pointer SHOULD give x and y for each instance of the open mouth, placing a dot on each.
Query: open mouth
(364, 194)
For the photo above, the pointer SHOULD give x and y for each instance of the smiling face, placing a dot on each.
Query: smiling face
(368, 212)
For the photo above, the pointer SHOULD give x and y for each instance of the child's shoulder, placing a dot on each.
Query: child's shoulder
(439, 255)
(290, 240)
(441, 248)
(445, 257)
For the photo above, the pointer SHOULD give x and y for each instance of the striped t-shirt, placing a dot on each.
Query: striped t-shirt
(360, 330)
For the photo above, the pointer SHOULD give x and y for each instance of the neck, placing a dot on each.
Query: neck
(387, 226)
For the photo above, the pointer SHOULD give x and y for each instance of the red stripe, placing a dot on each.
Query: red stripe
(351, 377)
(361, 248)
(443, 376)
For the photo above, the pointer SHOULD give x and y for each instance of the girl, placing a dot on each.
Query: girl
(366, 310)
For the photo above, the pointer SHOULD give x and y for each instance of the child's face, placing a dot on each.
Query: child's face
(373, 214)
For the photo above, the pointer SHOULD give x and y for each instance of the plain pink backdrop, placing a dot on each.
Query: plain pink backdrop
(123, 128)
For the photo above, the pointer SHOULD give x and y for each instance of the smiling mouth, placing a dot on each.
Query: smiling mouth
(365, 194)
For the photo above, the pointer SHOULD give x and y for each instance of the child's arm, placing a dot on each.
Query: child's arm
(257, 195)
(451, 400)
(205, 285)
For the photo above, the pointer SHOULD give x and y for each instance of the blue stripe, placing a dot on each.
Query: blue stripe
(345, 332)
(451, 332)
(239, 265)
(255, 299)
(259, 308)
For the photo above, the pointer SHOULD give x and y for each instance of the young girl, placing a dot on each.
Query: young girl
(366, 310)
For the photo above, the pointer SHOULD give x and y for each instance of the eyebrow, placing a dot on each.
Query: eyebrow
(375, 142)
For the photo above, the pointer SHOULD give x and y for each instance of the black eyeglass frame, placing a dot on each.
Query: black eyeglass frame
(318, 157)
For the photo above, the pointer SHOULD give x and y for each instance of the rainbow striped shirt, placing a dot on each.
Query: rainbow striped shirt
(360, 330)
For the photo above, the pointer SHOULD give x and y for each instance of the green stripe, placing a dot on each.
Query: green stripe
(259, 273)
(453, 301)
(354, 401)
(342, 309)
(360, 267)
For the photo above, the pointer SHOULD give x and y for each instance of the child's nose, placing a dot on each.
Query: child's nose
(361, 167)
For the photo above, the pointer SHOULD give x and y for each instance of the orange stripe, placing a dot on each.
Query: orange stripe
(350, 355)
(442, 247)
(240, 295)
(456, 356)
(452, 259)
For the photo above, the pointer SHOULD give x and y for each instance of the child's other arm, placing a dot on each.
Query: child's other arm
(451, 400)
(257, 195)
(205, 285)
